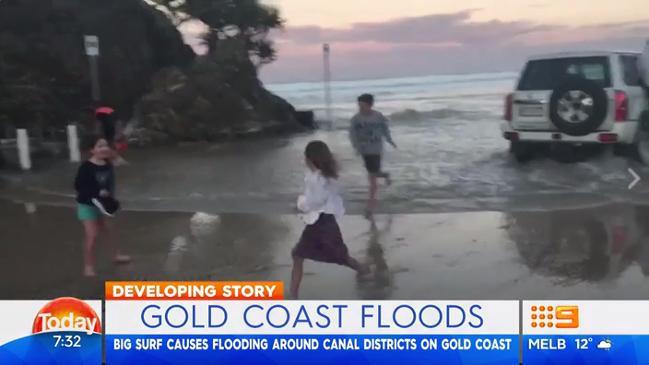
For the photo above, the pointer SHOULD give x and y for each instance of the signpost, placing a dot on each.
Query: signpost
(92, 51)
(326, 51)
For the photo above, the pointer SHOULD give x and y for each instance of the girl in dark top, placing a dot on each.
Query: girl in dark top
(95, 183)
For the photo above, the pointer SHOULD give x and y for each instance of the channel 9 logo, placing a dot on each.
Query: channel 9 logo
(562, 317)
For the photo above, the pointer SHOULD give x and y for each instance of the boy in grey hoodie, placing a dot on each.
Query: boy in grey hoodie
(368, 129)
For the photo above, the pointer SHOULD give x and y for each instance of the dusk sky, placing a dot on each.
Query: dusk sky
(391, 38)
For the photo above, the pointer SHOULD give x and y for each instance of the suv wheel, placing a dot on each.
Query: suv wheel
(523, 151)
(578, 106)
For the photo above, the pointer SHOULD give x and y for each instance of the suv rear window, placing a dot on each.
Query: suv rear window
(631, 72)
(548, 74)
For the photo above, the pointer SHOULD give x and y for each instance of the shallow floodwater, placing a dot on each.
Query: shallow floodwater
(441, 166)
(596, 253)
(451, 157)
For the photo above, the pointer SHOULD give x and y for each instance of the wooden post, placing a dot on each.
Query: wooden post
(326, 52)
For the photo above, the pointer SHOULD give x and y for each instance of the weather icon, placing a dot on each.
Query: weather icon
(605, 345)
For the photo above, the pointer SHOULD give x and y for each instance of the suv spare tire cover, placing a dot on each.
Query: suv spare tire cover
(578, 106)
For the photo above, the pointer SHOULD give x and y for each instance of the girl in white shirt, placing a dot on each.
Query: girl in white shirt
(320, 206)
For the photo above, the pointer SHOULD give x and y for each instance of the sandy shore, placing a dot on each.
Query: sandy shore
(597, 253)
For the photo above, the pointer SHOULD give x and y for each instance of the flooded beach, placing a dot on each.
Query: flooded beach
(431, 175)
(595, 253)
(451, 157)
(462, 220)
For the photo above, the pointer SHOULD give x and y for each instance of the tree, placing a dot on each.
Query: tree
(245, 19)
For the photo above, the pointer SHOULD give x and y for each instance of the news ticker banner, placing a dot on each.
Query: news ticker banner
(62, 331)
(233, 323)
(248, 323)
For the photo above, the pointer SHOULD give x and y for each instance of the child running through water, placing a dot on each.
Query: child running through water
(368, 129)
(320, 205)
(95, 186)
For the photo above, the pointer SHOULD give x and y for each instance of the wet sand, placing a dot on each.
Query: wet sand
(594, 253)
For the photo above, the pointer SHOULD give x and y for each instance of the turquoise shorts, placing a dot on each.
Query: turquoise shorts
(88, 213)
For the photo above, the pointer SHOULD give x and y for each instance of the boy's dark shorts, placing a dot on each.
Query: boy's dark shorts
(372, 164)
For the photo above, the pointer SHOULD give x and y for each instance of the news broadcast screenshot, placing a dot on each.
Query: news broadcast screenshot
(324, 182)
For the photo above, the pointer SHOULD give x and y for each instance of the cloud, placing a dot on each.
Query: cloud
(430, 44)
(437, 43)
(605, 345)
(435, 28)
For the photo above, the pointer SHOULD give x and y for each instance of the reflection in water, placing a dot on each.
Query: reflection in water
(581, 245)
(203, 225)
(378, 284)
(642, 222)
(218, 247)
(41, 246)
(179, 246)
(542, 254)
(202, 228)
(30, 208)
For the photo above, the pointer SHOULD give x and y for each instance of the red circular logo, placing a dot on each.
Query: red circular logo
(67, 314)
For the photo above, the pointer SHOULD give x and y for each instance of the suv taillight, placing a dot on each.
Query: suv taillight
(621, 106)
(509, 101)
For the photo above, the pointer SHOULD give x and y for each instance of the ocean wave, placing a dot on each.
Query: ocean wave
(397, 82)
(436, 114)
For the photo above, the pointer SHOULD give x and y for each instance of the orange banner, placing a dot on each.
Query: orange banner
(194, 290)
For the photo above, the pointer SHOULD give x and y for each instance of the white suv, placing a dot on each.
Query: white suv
(577, 98)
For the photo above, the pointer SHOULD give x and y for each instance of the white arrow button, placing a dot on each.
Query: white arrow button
(636, 179)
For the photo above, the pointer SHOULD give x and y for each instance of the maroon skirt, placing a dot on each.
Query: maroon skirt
(323, 241)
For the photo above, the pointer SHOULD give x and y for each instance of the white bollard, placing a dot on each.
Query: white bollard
(73, 143)
(22, 140)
